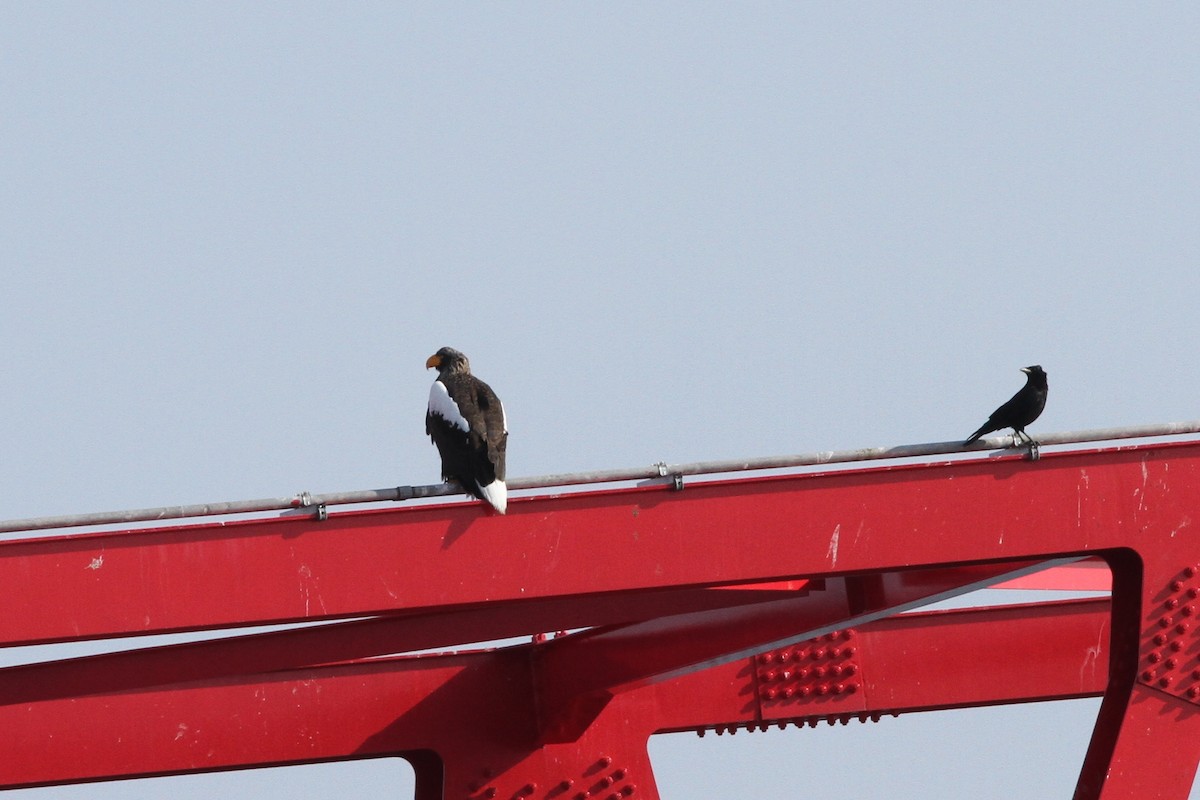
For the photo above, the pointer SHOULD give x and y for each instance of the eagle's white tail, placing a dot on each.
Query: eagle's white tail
(496, 493)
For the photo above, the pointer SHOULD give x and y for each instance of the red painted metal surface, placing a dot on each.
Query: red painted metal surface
(704, 603)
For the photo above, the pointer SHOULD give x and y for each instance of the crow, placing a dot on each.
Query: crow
(1023, 408)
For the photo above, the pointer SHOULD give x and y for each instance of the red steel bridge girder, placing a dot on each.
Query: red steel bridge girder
(452, 565)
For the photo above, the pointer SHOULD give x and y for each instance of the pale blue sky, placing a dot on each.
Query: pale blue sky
(231, 235)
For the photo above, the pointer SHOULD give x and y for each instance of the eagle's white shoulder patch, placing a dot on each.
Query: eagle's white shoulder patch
(442, 405)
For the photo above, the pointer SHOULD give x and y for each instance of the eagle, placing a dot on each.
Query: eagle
(466, 421)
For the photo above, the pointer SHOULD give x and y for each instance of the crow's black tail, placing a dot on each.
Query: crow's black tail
(984, 428)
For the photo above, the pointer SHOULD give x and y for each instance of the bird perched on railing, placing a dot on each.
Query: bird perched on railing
(1022, 408)
(466, 421)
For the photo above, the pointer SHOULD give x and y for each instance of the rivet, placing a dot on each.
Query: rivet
(770, 675)
(819, 672)
(528, 789)
(801, 674)
(818, 654)
(1172, 663)
(834, 652)
(785, 655)
(1164, 622)
(1193, 692)
(606, 782)
(848, 652)
(851, 687)
(1176, 645)
(1154, 658)
(1147, 676)
(1187, 611)
(1189, 572)
(839, 688)
(605, 762)
(846, 634)
(851, 669)
(1193, 592)
(1160, 639)
(1176, 585)
(1171, 603)
(789, 692)
(785, 675)
(1182, 627)
(628, 790)
(766, 658)
(565, 784)
(836, 670)
(831, 637)
(771, 694)
(798, 655)
(1196, 674)
(819, 689)
(1164, 681)
(490, 793)
(619, 775)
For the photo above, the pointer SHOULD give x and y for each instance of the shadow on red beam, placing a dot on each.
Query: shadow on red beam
(577, 676)
(325, 644)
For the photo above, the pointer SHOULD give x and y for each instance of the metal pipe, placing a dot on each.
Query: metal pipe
(657, 471)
